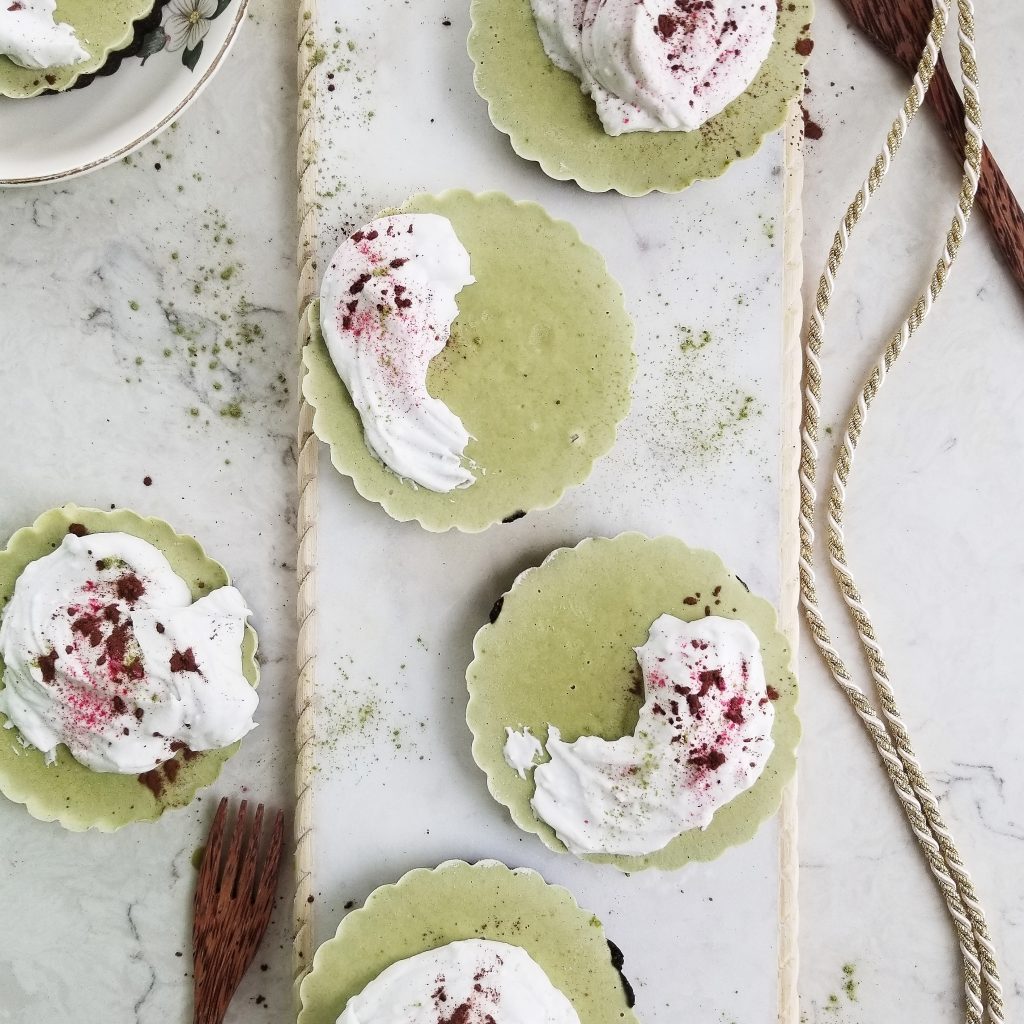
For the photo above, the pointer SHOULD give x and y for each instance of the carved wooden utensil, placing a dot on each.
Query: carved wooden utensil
(232, 908)
(900, 27)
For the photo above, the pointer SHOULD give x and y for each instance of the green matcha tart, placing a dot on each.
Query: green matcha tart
(431, 908)
(67, 791)
(538, 368)
(559, 650)
(102, 27)
(548, 119)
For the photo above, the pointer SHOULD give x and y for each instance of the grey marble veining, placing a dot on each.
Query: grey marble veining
(116, 291)
(934, 540)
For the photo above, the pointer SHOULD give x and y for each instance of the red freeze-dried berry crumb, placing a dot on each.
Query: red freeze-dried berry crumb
(78, 530)
(48, 666)
(461, 1015)
(184, 661)
(734, 710)
(88, 625)
(130, 588)
(773, 694)
(708, 678)
(712, 760)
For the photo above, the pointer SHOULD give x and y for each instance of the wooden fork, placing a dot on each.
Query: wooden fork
(232, 909)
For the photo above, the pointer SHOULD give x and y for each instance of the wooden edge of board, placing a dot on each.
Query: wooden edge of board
(789, 597)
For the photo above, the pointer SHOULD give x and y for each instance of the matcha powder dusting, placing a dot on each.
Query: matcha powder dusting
(696, 416)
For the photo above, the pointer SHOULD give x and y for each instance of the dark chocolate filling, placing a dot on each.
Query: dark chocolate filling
(617, 962)
(114, 60)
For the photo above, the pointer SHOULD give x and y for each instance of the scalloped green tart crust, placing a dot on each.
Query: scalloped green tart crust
(67, 791)
(430, 908)
(102, 26)
(550, 120)
(538, 367)
(559, 650)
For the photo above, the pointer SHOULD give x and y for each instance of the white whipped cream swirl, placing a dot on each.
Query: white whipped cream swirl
(473, 981)
(702, 738)
(105, 651)
(387, 304)
(658, 65)
(32, 38)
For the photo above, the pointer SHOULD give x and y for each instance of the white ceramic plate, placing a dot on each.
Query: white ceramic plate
(54, 137)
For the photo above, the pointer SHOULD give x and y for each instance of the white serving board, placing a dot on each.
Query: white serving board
(392, 782)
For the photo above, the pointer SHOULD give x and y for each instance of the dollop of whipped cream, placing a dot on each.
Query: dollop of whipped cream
(387, 305)
(702, 738)
(106, 652)
(522, 750)
(657, 65)
(32, 38)
(474, 981)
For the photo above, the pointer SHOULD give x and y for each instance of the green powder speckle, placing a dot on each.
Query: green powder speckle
(700, 416)
(133, 305)
(850, 982)
(197, 857)
(232, 410)
(691, 340)
(359, 720)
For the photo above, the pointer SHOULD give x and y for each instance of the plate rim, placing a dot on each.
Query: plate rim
(129, 147)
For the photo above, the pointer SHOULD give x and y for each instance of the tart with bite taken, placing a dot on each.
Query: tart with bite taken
(469, 359)
(633, 704)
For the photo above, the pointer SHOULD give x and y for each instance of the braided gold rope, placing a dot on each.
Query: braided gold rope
(981, 973)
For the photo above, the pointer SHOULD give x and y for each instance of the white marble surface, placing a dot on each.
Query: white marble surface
(101, 918)
(97, 927)
(934, 538)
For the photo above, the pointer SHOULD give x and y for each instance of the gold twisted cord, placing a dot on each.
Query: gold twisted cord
(981, 974)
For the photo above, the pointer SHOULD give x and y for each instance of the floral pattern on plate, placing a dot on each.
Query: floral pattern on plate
(183, 27)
